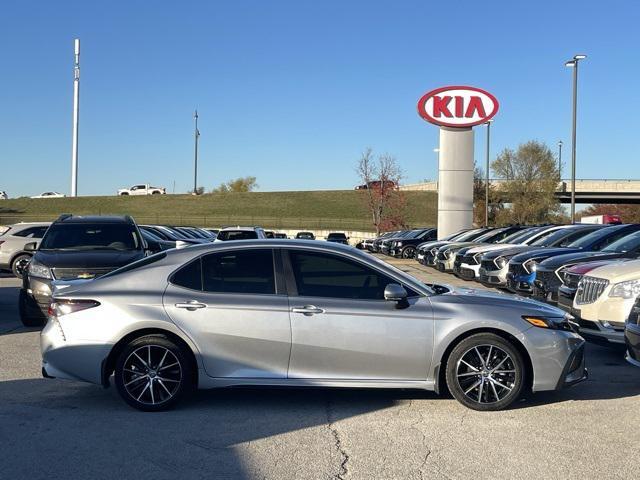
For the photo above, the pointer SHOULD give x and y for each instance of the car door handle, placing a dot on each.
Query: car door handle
(191, 305)
(307, 310)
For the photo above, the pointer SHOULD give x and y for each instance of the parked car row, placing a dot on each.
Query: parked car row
(591, 271)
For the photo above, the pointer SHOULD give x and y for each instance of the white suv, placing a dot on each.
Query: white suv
(604, 300)
(240, 233)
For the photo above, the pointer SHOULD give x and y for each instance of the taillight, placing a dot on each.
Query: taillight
(62, 306)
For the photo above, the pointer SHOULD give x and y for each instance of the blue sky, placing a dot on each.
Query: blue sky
(292, 91)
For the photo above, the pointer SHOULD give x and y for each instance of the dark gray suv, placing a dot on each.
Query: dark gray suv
(73, 249)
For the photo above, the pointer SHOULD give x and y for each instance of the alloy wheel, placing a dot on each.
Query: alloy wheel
(409, 252)
(151, 375)
(20, 266)
(486, 374)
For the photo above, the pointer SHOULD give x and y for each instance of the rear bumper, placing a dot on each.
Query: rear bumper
(70, 360)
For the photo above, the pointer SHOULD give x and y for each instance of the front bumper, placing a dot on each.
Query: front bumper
(520, 284)
(493, 278)
(544, 294)
(632, 340)
(468, 272)
(595, 332)
(558, 358)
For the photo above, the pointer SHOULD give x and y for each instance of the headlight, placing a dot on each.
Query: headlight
(447, 253)
(501, 262)
(477, 258)
(530, 265)
(553, 323)
(36, 269)
(629, 289)
(398, 244)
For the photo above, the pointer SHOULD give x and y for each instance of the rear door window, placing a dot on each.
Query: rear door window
(241, 271)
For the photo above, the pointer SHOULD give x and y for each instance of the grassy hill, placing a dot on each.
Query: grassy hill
(337, 209)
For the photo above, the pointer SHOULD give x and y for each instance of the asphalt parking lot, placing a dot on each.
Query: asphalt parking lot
(59, 429)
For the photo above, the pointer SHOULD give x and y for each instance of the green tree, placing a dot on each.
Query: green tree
(530, 179)
(242, 184)
(479, 193)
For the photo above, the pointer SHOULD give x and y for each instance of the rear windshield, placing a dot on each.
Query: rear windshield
(237, 235)
(91, 236)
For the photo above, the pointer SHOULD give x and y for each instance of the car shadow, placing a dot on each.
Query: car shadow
(81, 427)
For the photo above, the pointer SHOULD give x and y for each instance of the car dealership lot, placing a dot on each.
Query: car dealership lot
(53, 428)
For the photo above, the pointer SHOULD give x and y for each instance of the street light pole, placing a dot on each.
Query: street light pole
(196, 134)
(486, 182)
(76, 118)
(560, 160)
(574, 64)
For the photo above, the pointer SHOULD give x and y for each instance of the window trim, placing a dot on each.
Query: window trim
(292, 286)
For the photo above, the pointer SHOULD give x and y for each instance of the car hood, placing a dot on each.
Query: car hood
(558, 261)
(432, 245)
(490, 247)
(87, 259)
(507, 251)
(475, 296)
(542, 253)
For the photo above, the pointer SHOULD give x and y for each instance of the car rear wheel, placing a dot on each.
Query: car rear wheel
(20, 264)
(409, 252)
(153, 373)
(485, 372)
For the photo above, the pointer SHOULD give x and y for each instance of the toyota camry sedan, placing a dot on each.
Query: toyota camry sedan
(299, 313)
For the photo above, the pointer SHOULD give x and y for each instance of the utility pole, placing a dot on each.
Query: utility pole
(195, 168)
(76, 119)
(486, 182)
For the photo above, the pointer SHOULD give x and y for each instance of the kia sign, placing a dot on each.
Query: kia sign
(457, 106)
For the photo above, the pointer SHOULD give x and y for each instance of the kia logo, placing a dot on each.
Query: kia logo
(457, 106)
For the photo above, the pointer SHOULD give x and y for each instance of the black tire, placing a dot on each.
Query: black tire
(30, 313)
(485, 391)
(408, 252)
(169, 384)
(124, 194)
(19, 264)
(155, 193)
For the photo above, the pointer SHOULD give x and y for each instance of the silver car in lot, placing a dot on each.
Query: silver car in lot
(298, 313)
(12, 253)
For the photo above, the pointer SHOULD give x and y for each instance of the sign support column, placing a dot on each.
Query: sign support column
(455, 180)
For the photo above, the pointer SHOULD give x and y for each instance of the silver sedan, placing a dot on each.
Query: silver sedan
(300, 313)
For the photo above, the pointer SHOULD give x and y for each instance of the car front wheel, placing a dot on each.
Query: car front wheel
(20, 264)
(153, 373)
(485, 372)
(409, 252)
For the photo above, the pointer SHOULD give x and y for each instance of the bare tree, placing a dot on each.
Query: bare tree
(380, 178)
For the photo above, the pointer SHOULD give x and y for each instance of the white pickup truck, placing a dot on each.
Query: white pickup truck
(142, 189)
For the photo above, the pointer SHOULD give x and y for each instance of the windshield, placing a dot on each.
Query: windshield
(519, 236)
(490, 235)
(594, 237)
(91, 236)
(238, 235)
(625, 244)
(340, 236)
(467, 236)
(550, 239)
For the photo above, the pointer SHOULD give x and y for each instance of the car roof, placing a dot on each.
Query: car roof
(239, 228)
(94, 219)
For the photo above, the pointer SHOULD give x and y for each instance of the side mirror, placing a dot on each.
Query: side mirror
(395, 292)
(153, 247)
(30, 247)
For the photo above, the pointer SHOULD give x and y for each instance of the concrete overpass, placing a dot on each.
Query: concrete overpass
(587, 190)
